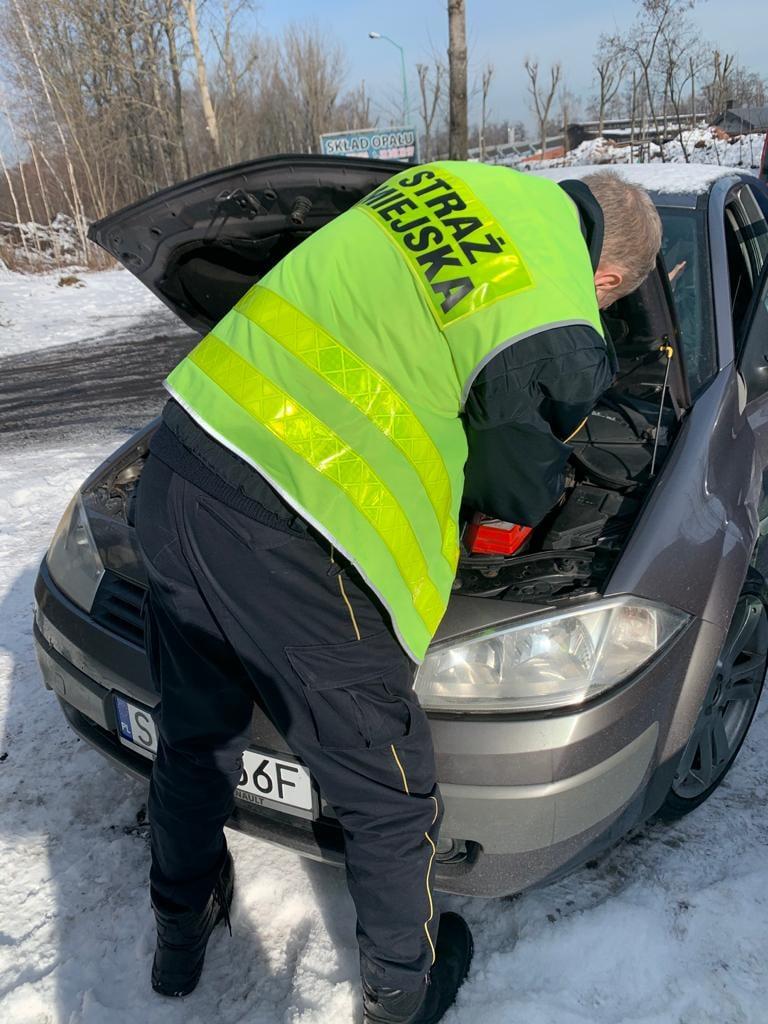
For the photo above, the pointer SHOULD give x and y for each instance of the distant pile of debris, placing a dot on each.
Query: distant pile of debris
(33, 247)
(705, 144)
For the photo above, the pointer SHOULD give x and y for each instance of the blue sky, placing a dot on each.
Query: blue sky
(502, 32)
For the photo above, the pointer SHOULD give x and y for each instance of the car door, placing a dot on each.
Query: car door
(747, 237)
(752, 348)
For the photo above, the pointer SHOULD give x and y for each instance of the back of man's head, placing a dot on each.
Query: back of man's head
(632, 230)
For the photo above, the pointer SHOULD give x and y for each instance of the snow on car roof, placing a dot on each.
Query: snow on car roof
(668, 179)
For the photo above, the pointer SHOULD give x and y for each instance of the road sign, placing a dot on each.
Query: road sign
(372, 143)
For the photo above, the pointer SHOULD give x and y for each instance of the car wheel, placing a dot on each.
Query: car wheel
(729, 705)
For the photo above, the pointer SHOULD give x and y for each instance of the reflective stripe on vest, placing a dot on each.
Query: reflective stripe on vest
(373, 523)
(323, 450)
(366, 389)
(341, 375)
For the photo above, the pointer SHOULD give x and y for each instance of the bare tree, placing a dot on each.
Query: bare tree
(353, 110)
(22, 177)
(633, 117)
(430, 91)
(212, 125)
(486, 85)
(114, 87)
(171, 29)
(91, 90)
(457, 89)
(27, 131)
(77, 205)
(569, 109)
(718, 88)
(237, 57)
(610, 65)
(313, 78)
(14, 199)
(542, 96)
(643, 44)
(680, 57)
(745, 89)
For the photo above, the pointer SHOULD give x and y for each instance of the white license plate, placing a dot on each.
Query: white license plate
(267, 780)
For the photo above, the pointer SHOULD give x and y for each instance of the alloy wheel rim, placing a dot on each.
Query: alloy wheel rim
(730, 701)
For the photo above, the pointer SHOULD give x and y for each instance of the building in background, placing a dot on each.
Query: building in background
(743, 120)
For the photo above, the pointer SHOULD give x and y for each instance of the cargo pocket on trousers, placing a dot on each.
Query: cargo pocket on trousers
(355, 691)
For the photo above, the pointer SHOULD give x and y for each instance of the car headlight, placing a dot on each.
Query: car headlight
(73, 558)
(553, 662)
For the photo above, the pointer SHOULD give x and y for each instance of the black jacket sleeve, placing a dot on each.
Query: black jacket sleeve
(521, 409)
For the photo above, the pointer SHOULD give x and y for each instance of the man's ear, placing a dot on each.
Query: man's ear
(608, 277)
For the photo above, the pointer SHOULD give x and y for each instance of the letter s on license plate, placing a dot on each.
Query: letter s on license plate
(266, 779)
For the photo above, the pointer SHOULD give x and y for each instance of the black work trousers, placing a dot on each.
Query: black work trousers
(242, 610)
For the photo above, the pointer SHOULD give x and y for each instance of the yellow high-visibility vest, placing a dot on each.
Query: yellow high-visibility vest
(342, 374)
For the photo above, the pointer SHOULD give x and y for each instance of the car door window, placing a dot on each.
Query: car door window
(753, 344)
(686, 255)
(740, 269)
(746, 237)
(755, 230)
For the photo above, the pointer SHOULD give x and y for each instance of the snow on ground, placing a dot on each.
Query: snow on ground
(703, 146)
(669, 928)
(36, 312)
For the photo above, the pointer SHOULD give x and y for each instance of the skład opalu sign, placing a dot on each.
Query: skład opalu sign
(372, 143)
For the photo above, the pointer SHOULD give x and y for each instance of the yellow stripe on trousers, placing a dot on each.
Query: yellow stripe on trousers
(326, 452)
(427, 836)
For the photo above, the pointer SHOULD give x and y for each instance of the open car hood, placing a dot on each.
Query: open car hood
(201, 244)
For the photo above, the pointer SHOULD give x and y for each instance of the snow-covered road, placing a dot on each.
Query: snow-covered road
(669, 928)
(37, 312)
(76, 361)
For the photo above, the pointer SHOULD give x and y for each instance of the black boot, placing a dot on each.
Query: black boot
(182, 937)
(429, 1005)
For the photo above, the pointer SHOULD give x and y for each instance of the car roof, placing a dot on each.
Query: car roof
(670, 184)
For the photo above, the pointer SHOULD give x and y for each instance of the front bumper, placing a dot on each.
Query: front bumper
(526, 798)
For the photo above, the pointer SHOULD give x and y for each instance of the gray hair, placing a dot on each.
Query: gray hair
(632, 227)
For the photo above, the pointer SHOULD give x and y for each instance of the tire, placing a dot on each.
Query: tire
(729, 705)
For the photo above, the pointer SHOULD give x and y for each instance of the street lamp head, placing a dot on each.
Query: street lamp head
(378, 35)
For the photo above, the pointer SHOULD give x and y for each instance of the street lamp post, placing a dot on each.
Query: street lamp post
(406, 106)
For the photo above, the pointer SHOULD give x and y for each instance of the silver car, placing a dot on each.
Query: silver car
(606, 672)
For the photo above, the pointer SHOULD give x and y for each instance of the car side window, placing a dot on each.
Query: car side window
(687, 258)
(741, 268)
(755, 232)
(753, 345)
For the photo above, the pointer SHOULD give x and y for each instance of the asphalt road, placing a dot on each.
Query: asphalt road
(73, 391)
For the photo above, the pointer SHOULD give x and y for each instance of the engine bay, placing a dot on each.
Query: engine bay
(571, 552)
(616, 455)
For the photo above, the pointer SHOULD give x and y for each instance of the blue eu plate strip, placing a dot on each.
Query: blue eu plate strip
(123, 718)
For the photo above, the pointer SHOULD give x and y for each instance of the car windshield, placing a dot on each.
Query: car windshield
(685, 242)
